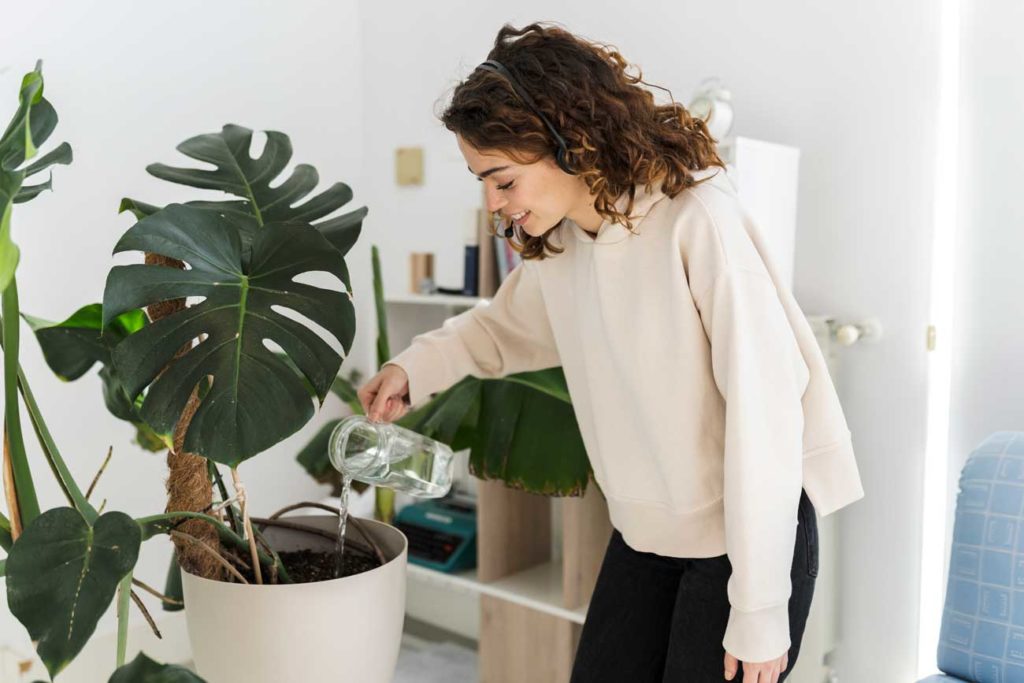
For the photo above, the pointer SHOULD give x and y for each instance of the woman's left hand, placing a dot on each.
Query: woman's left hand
(757, 672)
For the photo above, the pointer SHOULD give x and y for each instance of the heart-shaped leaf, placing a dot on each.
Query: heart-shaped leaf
(142, 669)
(256, 399)
(73, 346)
(62, 574)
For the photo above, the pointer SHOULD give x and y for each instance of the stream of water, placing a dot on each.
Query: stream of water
(339, 544)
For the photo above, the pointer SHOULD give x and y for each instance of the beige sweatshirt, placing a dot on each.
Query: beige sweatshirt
(702, 396)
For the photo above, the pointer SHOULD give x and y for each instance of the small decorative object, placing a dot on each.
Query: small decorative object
(713, 103)
(421, 273)
(409, 166)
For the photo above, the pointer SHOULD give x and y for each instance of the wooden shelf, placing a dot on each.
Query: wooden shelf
(539, 587)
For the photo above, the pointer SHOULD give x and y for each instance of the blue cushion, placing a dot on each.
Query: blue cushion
(982, 636)
(942, 678)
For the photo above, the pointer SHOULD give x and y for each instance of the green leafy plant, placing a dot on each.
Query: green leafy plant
(221, 400)
(73, 346)
(64, 565)
(62, 569)
(244, 257)
(144, 670)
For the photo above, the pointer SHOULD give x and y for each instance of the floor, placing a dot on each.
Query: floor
(432, 655)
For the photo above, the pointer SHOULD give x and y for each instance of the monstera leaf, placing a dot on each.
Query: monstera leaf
(144, 670)
(73, 346)
(257, 397)
(31, 126)
(62, 574)
(241, 175)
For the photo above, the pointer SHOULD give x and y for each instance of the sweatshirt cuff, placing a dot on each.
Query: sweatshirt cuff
(759, 635)
(426, 375)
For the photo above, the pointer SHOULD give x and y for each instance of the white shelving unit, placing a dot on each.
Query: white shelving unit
(523, 600)
(539, 587)
(443, 300)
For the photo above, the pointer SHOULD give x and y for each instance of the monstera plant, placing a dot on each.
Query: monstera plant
(215, 379)
(229, 396)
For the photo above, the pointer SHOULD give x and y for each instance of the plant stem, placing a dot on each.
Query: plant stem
(10, 490)
(154, 592)
(59, 468)
(236, 525)
(244, 504)
(354, 521)
(270, 551)
(207, 547)
(145, 613)
(92, 485)
(14, 444)
(154, 524)
(350, 543)
(383, 504)
(123, 589)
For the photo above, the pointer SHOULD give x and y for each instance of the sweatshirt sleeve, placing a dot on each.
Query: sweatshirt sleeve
(761, 374)
(493, 339)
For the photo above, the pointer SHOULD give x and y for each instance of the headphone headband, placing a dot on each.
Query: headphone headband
(560, 153)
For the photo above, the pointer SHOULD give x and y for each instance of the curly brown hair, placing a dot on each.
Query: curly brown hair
(617, 136)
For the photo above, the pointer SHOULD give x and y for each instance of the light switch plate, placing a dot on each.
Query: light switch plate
(409, 165)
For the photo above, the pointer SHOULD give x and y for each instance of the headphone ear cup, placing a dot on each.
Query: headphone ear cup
(560, 160)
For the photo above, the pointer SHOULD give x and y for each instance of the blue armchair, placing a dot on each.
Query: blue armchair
(982, 633)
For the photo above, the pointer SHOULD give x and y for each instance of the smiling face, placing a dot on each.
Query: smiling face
(544, 190)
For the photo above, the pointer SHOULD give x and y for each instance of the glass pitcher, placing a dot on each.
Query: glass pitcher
(384, 454)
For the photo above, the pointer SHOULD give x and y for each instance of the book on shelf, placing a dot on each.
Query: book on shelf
(487, 271)
(501, 257)
(496, 256)
(506, 257)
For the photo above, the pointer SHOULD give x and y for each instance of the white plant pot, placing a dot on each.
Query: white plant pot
(346, 629)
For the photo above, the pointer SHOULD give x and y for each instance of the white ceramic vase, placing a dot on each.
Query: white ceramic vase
(346, 629)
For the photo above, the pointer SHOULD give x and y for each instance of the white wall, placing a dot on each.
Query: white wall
(130, 82)
(854, 86)
(987, 389)
(988, 363)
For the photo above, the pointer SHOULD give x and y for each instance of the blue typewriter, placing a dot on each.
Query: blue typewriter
(441, 533)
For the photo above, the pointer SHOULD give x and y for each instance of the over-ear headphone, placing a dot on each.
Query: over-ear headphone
(561, 152)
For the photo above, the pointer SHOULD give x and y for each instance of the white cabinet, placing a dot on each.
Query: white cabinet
(765, 175)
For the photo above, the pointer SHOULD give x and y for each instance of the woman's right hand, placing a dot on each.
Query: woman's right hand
(385, 396)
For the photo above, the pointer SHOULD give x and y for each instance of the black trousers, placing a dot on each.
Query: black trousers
(658, 619)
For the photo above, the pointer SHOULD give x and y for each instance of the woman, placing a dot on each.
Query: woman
(702, 397)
